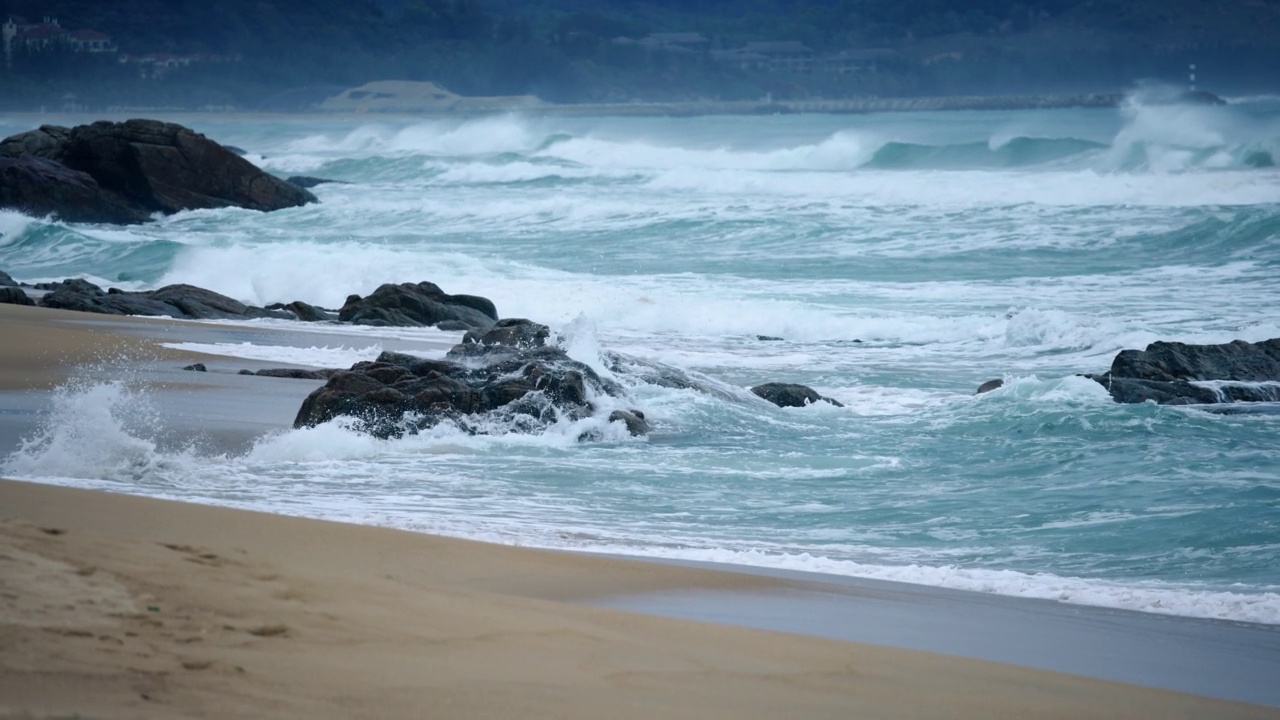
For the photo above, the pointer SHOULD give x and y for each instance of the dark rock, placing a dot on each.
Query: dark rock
(196, 367)
(410, 305)
(514, 383)
(768, 338)
(45, 142)
(308, 313)
(634, 420)
(237, 150)
(6, 281)
(990, 385)
(1164, 373)
(139, 167)
(512, 333)
(790, 395)
(39, 186)
(177, 301)
(198, 303)
(84, 296)
(1238, 360)
(306, 181)
(10, 295)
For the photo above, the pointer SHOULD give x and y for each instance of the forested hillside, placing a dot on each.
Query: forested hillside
(285, 53)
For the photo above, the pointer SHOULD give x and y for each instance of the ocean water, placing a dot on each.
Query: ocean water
(902, 260)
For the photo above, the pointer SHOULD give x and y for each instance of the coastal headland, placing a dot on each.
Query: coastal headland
(121, 606)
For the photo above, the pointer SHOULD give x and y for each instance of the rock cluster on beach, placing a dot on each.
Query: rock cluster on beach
(407, 305)
(125, 172)
(507, 378)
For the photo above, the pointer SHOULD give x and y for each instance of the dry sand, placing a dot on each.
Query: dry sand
(114, 606)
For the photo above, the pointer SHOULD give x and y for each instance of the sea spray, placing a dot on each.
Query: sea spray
(100, 431)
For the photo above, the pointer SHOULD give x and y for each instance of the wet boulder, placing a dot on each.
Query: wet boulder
(418, 305)
(6, 281)
(137, 168)
(507, 384)
(790, 395)
(1174, 373)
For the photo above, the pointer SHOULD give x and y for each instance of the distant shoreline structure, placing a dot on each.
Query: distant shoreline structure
(427, 99)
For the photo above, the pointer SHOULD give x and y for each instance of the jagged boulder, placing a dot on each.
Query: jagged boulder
(6, 281)
(791, 395)
(138, 166)
(505, 384)
(417, 305)
(1165, 373)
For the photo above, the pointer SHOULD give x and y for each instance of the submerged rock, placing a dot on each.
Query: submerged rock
(293, 373)
(1164, 373)
(124, 172)
(416, 305)
(791, 395)
(505, 380)
(990, 385)
(308, 182)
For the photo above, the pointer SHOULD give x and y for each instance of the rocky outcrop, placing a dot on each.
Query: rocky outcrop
(415, 305)
(176, 301)
(504, 380)
(6, 281)
(1173, 373)
(790, 395)
(124, 172)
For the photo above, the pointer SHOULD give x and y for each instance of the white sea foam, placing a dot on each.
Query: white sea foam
(324, 357)
(94, 431)
(1161, 598)
(13, 225)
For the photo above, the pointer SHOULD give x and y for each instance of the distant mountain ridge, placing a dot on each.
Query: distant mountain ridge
(239, 52)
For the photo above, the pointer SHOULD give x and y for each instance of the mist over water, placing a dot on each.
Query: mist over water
(900, 260)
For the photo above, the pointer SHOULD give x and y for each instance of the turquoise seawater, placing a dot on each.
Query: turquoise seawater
(902, 260)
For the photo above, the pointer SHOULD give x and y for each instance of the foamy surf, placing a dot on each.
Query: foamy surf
(893, 263)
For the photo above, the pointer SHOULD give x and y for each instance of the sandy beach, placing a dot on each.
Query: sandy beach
(115, 606)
